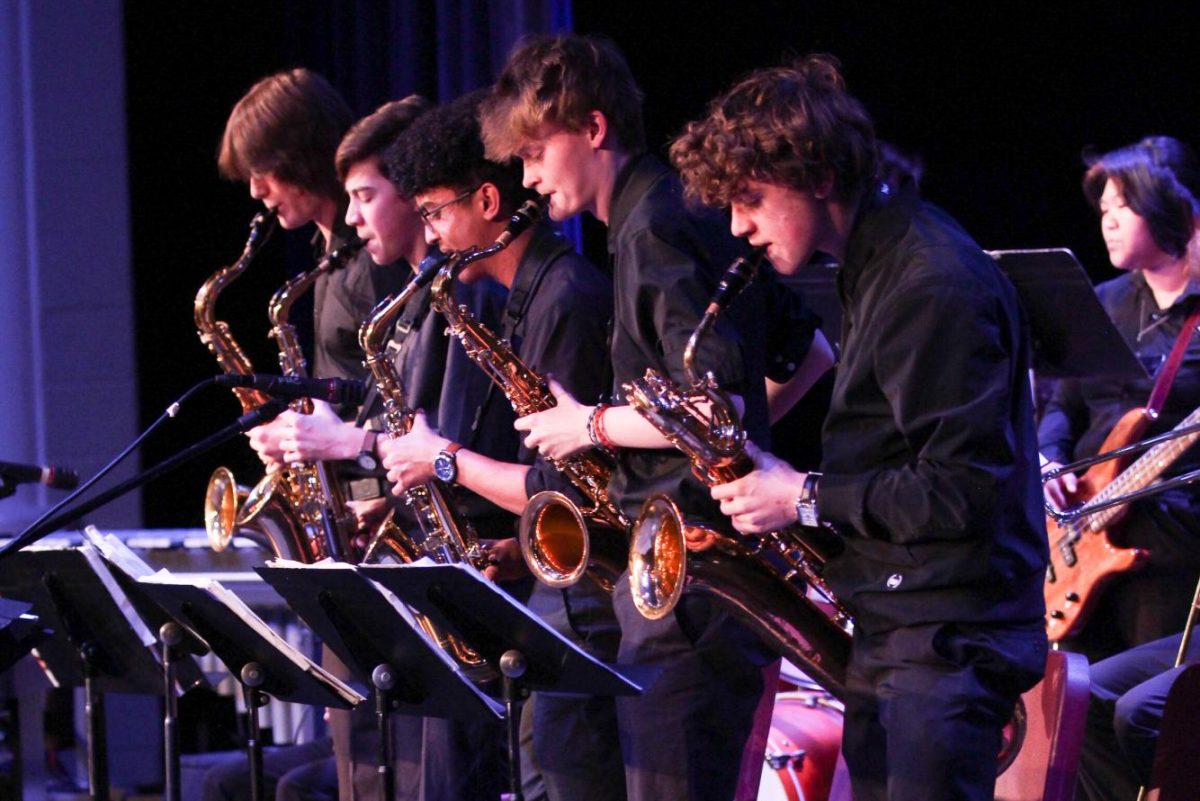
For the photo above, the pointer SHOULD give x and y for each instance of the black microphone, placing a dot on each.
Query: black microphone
(333, 390)
(53, 477)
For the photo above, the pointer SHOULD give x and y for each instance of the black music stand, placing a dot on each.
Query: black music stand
(527, 653)
(385, 648)
(100, 643)
(180, 673)
(20, 631)
(1073, 337)
(263, 663)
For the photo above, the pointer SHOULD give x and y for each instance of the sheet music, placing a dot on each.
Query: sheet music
(96, 562)
(116, 551)
(247, 616)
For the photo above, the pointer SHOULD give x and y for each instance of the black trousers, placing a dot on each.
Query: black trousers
(683, 738)
(1125, 712)
(925, 706)
(290, 773)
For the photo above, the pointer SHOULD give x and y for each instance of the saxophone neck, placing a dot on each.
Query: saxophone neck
(737, 277)
(374, 330)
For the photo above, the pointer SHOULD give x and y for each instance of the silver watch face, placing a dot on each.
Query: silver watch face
(367, 461)
(445, 468)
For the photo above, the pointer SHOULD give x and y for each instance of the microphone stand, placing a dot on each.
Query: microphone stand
(256, 417)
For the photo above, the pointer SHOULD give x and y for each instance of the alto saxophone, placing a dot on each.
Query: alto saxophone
(276, 525)
(554, 538)
(764, 579)
(445, 537)
(328, 527)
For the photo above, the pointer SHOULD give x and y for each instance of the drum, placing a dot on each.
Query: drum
(802, 747)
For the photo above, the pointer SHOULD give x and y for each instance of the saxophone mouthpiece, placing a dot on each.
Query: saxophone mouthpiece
(338, 257)
(522, 220)
(737, 277)
(430, 266)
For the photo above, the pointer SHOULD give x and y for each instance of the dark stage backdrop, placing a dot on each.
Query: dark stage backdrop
(999, 99)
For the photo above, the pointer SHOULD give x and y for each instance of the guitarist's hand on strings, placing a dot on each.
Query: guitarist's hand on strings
(1059, 491)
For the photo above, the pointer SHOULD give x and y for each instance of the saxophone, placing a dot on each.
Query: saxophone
(328, 528)
(276, 525)
(765, 579)
(554, 537)
(445, 537)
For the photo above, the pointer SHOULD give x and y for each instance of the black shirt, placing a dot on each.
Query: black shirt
(930, 460)
(667, 260)
(342, 299)
(556, 320)
(1082, 412)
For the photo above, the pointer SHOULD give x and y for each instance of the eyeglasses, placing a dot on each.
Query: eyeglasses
(433, 215)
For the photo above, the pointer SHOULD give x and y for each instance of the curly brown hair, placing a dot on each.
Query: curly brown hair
(794, 125)
(560, 79)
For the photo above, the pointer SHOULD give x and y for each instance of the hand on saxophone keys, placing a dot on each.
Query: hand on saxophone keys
(504, 560)
(559, 432)
(763, 500)
(409, 459)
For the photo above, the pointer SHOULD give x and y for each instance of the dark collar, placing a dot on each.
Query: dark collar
(636, 178)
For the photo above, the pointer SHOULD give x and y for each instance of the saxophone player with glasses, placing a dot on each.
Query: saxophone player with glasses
(929, 467)
(555, 321)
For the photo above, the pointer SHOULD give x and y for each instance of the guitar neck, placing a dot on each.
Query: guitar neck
(1144, 471)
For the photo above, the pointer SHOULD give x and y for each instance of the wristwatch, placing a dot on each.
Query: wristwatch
(366, 459)
(445, 465)
(806, 502)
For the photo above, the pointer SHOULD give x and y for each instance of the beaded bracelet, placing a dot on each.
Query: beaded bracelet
(598, 429)
(597, 410)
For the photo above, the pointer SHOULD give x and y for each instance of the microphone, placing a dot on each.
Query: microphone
(333, 390)
(53, 477)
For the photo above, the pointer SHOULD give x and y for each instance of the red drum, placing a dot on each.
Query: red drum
(802, 748)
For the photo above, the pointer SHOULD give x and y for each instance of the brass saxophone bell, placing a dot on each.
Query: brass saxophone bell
(222, 499)
(657, 558)
(554, 539)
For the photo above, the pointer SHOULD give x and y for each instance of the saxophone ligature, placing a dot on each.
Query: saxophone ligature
(554, 533)
(765, 579)
(275, 526)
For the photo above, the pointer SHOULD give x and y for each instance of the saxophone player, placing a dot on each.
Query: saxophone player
(929, 465)
(556, 316)
(569, 108)
(280, 139)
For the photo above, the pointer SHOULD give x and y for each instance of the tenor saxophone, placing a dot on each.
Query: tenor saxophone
(553, 534)
(767, 579)
(307, 486)
(276, 525)
(445, 536)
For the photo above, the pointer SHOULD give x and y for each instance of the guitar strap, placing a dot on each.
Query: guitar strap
(1162, 385)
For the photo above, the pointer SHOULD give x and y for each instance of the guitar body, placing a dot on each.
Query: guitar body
(1083, 560)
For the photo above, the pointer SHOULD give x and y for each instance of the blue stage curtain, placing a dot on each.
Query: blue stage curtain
(379, 50)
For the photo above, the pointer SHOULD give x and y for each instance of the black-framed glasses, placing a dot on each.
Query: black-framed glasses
(433, 215)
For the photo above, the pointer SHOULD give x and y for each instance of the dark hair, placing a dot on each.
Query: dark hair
(443, 148)
(1159, 179)
(795, 126)
(559, 80)
(288, 124)
(370, 137)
